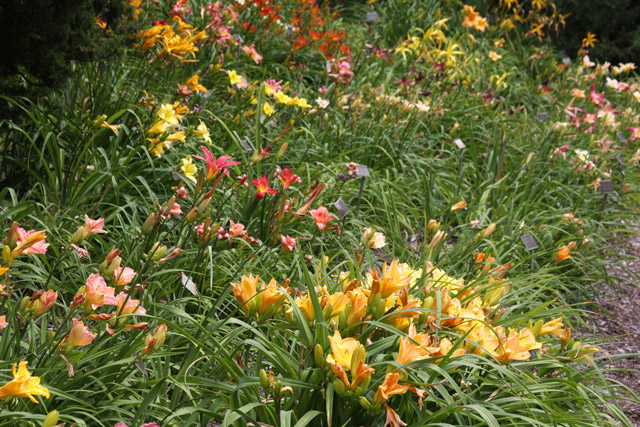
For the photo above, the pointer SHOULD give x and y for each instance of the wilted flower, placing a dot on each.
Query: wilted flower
(79, 335)
(459, 206)
(564, 252)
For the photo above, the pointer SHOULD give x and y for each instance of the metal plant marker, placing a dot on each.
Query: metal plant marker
(362, 172)
(343, 210)
(531, 245)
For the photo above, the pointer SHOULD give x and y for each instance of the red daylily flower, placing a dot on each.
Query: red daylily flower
(287, 177)
(215, 165)
(262, 187)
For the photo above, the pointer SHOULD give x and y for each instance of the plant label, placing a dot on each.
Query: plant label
(372, 17)
(363, 171)
(529, 242)
(461, 145)
(188, 283)
(245, 144)
(621, 137)
(606, 187)
(342, 208)
(543, 117)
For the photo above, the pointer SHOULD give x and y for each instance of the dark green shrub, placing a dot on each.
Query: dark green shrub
(616, 24)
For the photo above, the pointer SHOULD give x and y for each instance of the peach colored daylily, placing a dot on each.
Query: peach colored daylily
(124, 276)
(79, 335)
(97, 293)
(93, 226)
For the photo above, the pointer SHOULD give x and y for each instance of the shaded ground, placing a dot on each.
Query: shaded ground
(618, 316)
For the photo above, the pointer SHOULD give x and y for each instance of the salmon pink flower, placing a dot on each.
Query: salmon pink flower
(236, 230)
(124, 276)
(3, 322)
(43, 303)
(80, 251)
(98, 293)
(635, 132)
(26, 238)
(287, 177)
(182, 193)
(175, 210)
(216, 165)
(93, 226)
(252, 53)
(321, 216)
(127, 305)
(288, 243)
(262, 187)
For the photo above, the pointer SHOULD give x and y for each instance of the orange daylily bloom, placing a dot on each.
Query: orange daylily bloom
(393, 279)
(564, 252)
(389, 388)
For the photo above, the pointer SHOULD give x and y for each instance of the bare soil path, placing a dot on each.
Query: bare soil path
(619, 316)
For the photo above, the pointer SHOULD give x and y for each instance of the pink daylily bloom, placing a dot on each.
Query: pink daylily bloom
(252, 53)
(321, 216)
(214, 166)
(35, 249)
(93, 226)
(236, 230)
(288, 243)
(127, 305)
(124, 276)
(98, 293)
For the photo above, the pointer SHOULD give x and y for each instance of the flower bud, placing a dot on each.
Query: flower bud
(263, 379)
(433, 226)
(364, 402)
(6, 256)
(277, 387)
(282, 150)
(149, 223)
(12, 236)
(318, 355)
(488, 231)
(339, 387)
(51, 419)
(79, 235)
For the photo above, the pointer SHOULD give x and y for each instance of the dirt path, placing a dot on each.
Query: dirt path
(619, 316)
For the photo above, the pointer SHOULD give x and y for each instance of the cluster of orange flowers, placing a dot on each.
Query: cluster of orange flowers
(178, 43)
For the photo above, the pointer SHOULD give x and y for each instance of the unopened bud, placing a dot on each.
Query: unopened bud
(51, 419)
(79, 235)
(282, 150)
(263, 379)
(318, 355)
(149, 223)
(339, 387)
(433, 226)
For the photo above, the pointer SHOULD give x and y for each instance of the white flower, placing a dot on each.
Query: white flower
(322, 103)
(587, 62)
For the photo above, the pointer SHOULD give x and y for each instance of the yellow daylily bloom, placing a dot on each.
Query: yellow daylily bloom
(203, 132)
(23, 384)
(188, 168)
(342, 350)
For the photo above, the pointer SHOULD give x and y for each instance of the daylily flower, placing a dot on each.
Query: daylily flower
(127, 305)
(203, 132)
(459, 206)
(40, 303)
(554, 327)
(93, 226)
(494, 56)
(23, 384)
(188, 168)
(216, 165)
(256, 297)
(262, 187)
(124, 276)
(374, 240)
(3, 322)
(194, 85)
(252, 53)
(236, 230)
(288, 243)
(236, 79)
(287, 177)
(29, 242)
(472, 19)
(271, 87)
(635, 133)
(564, 252)
(389, 387)
(321, 216)
(97, 293)
(79, 335)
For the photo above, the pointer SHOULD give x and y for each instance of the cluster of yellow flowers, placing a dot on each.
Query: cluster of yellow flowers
(168, 118)
(178, 44)
(451, 319)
